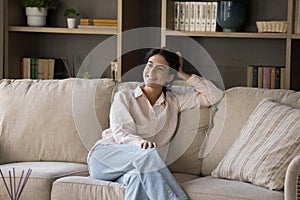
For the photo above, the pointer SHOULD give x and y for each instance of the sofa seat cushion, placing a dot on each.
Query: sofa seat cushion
(210, 188)
(40, 181)
(76, 187)
(182, 177)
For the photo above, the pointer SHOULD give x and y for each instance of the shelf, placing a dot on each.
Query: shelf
(228, 34)
(296, 36)
(108, 31)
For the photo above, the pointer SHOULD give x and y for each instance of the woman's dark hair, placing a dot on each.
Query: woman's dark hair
(171, 57)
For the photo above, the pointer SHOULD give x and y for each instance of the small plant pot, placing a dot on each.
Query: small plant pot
(71, 22)
(36, 16)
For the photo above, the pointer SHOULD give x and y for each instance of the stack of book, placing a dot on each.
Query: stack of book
(270, 77)
(297, 17)
(98, 23)
(42, 68)
(37, 68)
(195, 16)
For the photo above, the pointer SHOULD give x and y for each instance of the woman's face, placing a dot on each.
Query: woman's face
(156, 71)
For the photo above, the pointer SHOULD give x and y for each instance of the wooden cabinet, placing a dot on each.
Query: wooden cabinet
(233, 52)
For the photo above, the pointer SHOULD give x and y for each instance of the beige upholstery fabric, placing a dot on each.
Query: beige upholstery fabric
(52, 120)
(189, 162)
(267, 144)
(40, 181)
(231, 115)
(82, 188)
(292, 180)
(209, 188)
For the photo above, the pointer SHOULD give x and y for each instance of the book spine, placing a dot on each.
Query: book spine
(193, 16)
(255, 76)
(187, 9)
(272, 79)
(266, 77)
(277, 77)
(214, 16)
(51, 64)
(176, 15)
(26, 68)
(208, 16)
(249, 76)
(203, 16)
(260, 77)
(282, 78)
(33, 68)
(198, 16)
(181, 16)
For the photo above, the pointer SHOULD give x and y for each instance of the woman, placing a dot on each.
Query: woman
(144, 120)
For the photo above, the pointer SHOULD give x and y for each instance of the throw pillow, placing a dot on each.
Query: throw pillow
(268, 142)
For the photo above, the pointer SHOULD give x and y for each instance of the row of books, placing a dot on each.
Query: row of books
(42, 68)
(195, 16)
(297, 17)
(97, 23)
(270, 77)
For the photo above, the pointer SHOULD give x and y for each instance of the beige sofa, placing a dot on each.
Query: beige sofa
(49, 126)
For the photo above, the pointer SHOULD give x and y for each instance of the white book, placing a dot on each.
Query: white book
(208, 16)
(26, 67)
(214, 10)
(42, 68)
(193, 16)
(203, 16)
(51, 65)
(187, 8)
(181, 15)
(198, 17)
(176, 15)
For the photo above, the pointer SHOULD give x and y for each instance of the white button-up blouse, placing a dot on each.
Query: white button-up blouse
(134, 120)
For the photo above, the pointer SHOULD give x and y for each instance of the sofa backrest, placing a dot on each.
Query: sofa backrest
(229, 117)
(52, 120)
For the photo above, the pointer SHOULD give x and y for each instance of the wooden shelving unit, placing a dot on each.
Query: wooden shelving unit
(55, 40)
(279, 48)
(232, 52)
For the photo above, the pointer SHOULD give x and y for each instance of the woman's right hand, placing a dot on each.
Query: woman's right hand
(148, 144)
(181, 74)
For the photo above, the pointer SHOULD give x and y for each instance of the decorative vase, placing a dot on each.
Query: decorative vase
(71, 22)
(231, 15)
(36, 16)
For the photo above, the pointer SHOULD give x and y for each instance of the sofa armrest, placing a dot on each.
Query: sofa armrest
(292, 180)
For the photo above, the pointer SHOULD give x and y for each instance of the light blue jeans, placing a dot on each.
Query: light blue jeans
(142, 171)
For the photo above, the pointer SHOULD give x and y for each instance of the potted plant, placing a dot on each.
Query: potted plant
(37, 10)
(71, 15)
